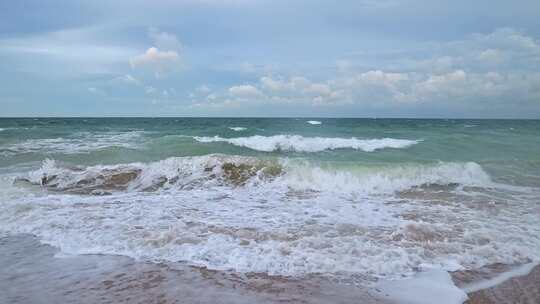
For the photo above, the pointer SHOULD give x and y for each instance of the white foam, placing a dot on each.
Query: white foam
(314, 122)
(79, 143)
(384, 180)
(296, 175)
(309, 144)
(237, 128)
(200, 171)
(343, 222)
(434, 286)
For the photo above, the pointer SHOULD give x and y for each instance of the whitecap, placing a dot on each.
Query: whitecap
(383, 180)
(314, 122)
(82, 142)
(237, 128)
(299, 143)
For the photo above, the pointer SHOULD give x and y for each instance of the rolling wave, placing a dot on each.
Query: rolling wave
(299, 143)
(206, 172)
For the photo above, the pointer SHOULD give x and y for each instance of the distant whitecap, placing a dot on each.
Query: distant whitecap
(237, 128)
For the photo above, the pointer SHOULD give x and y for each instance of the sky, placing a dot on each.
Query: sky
(311, 58)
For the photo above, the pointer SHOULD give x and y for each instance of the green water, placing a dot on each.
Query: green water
(353, 199)
(509, 149)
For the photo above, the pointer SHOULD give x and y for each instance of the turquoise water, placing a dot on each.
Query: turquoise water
(355, 199)
(507, 143)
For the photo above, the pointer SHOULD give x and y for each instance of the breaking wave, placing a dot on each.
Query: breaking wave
(299, 143)
(276, 216)
(314, 122)
(204, 172)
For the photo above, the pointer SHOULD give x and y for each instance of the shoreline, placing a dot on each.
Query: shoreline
(31, 273)
(523, 287)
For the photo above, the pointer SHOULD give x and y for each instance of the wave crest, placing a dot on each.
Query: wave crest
(280, 176)
(299, 143)
(387, 180)
(177, 173)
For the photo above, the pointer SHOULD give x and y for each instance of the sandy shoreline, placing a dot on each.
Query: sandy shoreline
(520, 289)
(30, 273)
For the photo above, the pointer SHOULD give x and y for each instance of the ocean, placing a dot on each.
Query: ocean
(351, 201)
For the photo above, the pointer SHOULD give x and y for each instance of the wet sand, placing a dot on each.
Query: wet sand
(523, 289)
(30, 273)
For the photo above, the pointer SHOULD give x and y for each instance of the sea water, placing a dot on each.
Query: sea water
(353, 200)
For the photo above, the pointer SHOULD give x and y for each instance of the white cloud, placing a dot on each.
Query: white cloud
(155, 59)
(164, 40)
(163, 56)
(244, 91)
(272, 85)
(475, 71)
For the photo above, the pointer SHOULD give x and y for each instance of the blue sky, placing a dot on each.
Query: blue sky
(364, 58)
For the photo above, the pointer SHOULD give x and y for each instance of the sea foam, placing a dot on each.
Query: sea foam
(299, 218)
(299, 143)
(204, 172)
(82, 142)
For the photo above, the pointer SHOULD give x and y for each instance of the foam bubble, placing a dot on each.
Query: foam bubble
(299, 143)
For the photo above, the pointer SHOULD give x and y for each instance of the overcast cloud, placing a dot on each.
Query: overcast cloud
(395, 58)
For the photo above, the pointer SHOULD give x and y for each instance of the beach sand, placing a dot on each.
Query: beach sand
(30, 273)
(524, 289)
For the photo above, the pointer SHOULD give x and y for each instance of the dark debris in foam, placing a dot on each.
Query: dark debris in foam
(108, 181)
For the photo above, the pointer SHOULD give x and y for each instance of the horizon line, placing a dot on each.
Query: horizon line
(270, 117)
